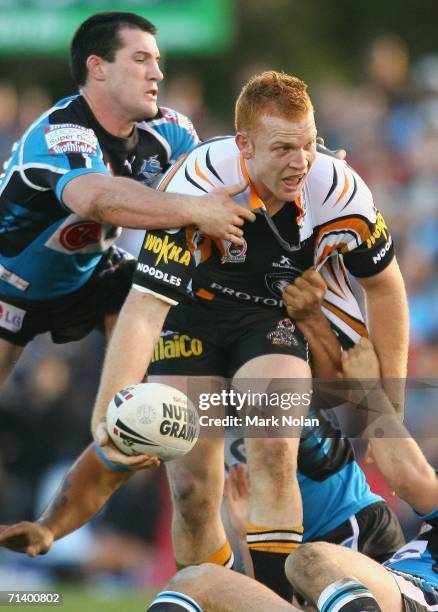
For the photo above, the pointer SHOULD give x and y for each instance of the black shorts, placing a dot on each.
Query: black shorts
(374, 531)
(71, 317)
(207, 340)
(418, 595)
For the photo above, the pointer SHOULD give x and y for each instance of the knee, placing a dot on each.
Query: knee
(192, 498)
(196, 580)
(305, 562)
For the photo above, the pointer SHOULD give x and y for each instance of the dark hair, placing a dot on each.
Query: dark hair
(99, 35)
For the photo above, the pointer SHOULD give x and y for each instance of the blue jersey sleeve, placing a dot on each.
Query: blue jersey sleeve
(178, 131)
(53, 154)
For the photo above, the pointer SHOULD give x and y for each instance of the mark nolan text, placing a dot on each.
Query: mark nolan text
(284, 420)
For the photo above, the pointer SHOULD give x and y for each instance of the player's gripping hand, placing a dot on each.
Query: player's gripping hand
(220, 217)
(361, 361)
(303, 297)
(25, 537)
(116, 457)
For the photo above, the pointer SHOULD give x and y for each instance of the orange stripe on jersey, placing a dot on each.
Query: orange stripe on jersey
(345, 275)
(254, 200)
(176, 166)
(346, 223)
(326, 252)
(297, 202)
(344, 190)
(337, 289)
(201, 174)
(204, 294)
(204, 247)
(358, 326)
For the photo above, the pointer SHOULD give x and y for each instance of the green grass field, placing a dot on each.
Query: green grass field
(81, 599)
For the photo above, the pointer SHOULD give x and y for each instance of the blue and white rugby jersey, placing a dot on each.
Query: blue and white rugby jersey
(419, 557)
(46, 250)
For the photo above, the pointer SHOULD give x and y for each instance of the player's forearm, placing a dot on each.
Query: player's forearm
(388, 322)
(399, 458)
(124, 202)
(323, 345)
(406, 470)
(85, 489)
(131, 347)
(128, 204)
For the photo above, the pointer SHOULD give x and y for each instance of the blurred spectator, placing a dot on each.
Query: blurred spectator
(8, 118)
(33, 101)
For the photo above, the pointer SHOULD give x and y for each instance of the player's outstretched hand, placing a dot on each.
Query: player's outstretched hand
(137, 462)
(25, 537)
(236, 494)
(303, 297)
(220, 217)
(361, 361)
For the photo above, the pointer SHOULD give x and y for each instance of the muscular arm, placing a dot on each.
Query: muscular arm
(123, 201)
(303, 299)
(388, 322)
(85, 489)
(398, 456)
(129, 351)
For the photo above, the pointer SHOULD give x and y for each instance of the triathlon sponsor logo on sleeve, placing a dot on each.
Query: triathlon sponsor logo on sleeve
(69, 138)
(11, 317)
(13, 279)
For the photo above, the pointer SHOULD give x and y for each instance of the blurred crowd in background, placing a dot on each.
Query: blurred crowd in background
(389, 127)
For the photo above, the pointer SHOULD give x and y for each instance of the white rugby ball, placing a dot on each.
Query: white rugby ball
(153, 419)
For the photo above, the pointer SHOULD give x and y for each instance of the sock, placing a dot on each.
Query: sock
(172, 601)
(269, 548)
(223, 556)
(347, 595)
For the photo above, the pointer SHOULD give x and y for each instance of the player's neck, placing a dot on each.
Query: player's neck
(106, 115)
(272, 204)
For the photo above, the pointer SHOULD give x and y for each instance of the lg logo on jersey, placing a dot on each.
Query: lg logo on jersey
(11, 317)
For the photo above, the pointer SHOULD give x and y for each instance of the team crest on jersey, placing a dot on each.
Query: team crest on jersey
(150, 168)
(283, 334)
(70, 138)
(276, 282)
(235, 253)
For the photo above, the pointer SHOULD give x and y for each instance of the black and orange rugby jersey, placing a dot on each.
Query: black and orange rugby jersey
(332, 226)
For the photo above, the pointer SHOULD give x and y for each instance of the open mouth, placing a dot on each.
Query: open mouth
(292, 182)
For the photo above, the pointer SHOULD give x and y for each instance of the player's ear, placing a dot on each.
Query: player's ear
(244, 144)
(96, 67)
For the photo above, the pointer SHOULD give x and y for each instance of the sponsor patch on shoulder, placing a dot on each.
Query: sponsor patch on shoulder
(70, 138)
(11, 317)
